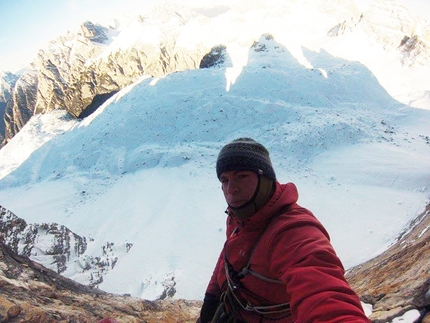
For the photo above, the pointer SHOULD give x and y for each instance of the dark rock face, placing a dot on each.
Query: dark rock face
(7, 82)
(2, 123)
(398, 280)
(56, 245)
(95, 33)
(95, 104)
(216, 57)
(414, 50)
(20, 107)
(31, 293)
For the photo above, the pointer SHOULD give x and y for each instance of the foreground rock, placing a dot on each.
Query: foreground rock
(399, 279)
(31, 293)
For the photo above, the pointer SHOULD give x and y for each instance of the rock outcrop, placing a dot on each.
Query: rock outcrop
(20, 107)
(399, 279)
(7, 82)
(58, 248)
(31, 293)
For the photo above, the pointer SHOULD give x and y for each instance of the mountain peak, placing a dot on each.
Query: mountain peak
(169, 12)
(7, 82)
(94, 32)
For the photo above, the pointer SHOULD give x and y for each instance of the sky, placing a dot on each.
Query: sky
(28, 25)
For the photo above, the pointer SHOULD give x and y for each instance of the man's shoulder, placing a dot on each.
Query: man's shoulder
(295, 216)
(295, 211)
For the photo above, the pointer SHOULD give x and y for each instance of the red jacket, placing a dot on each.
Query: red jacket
(294, 248)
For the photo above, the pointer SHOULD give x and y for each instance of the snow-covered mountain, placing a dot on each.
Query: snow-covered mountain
(79, 70)
(342, 114)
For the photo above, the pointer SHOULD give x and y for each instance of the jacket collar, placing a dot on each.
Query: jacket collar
(284, 194)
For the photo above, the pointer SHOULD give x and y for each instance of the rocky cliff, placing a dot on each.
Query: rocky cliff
(399, 279)
(7, 83)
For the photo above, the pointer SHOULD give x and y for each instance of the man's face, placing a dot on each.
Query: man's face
(238, 186)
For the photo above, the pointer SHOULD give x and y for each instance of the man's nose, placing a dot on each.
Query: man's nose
(232, 187)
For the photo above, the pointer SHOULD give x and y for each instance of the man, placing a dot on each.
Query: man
(277, 264)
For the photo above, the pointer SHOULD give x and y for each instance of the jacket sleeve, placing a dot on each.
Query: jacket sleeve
(213, 286)
(302, 255)
(212, 296)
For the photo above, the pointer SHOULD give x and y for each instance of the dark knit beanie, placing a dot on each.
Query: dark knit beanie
(245, 154)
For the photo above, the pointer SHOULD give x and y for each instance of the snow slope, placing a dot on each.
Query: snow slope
(141, 169)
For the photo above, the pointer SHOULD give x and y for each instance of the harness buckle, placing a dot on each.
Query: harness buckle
(243, 273)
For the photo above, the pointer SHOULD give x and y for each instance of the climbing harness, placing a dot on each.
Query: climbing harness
(232, 303)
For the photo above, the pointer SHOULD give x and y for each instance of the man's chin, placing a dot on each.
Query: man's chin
(237, 205)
